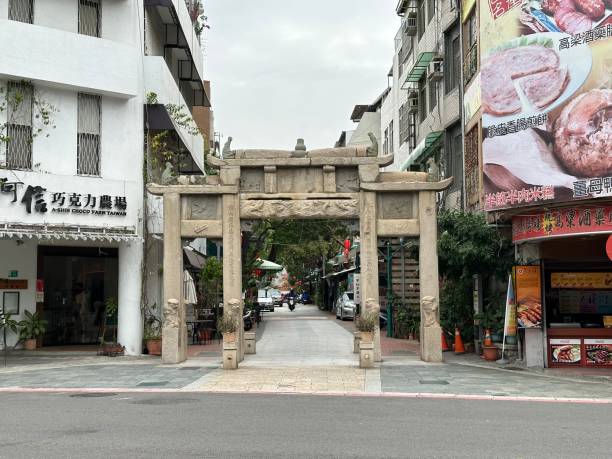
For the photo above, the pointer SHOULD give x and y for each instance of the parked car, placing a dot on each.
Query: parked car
(276, 297)
(264, 301)
(345, 306)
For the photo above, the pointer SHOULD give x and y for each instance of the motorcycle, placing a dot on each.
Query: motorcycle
(291, 304)
(248, 320)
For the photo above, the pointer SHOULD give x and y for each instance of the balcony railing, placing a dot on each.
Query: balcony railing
(470, 64)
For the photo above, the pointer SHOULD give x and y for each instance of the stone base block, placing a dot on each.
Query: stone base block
(356, 340)
(249, 343)
(230, 356)
(431, 344)
(366, 355)
(171, 342)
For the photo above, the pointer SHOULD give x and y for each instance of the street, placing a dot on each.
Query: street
(263, 426)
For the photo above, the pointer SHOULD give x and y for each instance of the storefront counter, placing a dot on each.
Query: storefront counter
(590, 347)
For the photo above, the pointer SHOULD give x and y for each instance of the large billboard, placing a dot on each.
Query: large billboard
(546, 77)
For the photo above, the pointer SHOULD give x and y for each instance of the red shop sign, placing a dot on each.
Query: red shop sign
(562, 222)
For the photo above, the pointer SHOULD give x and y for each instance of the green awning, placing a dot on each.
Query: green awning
(418, 69)
(423, 150)
(266, 265)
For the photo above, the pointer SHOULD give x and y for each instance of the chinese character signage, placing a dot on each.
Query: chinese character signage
(528, 296)
(562, 222)
(36, 199)
(546, 95)
(591, 280)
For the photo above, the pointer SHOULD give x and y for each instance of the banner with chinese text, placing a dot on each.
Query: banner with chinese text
(562, 222)
(528, 296)
(546, 98)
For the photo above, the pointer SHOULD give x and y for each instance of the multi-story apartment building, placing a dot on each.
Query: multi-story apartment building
(420, 116)
(85, 84)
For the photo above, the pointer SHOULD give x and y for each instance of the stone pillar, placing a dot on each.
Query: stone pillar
(232, 256)
(369, 260)
(431, 342)
(129, 325)
(329, 179)
(174, 330)
(270, 181)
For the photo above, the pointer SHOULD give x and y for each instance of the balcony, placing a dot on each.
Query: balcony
(470, 64)
(159, 80)
(68, 60)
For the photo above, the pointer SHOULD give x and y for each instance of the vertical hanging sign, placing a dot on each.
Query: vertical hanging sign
(528, 296)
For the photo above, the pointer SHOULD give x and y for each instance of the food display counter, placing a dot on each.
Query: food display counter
(589, 347)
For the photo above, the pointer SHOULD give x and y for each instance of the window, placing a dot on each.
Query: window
(88, 135)
(404, 124)
(452, 60)
(422, 100)
(20, 99)
(431, 9)
(454, 156)
(386, 142)
(391, 137)
(421, 18)
(89, 17)
(471, 30)
(433, 95)
(21, 10)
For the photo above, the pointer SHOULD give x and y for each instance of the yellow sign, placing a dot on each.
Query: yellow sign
(466, 8)
(581, 280)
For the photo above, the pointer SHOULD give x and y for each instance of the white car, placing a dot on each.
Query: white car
(265, 301)
(345, 306)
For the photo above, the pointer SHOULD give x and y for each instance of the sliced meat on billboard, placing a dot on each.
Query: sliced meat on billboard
(544, 88)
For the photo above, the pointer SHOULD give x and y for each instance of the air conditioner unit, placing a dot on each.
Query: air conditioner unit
(410, 25)
(434, 70)
(413, 102)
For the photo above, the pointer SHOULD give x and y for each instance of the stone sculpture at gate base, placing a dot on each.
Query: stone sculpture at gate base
(431, 331)
(171, 333)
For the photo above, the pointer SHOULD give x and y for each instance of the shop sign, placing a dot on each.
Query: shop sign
(544, 87)
(528, 296)
(13, 284)
(562, 222)
(581, 280)
(472, 99)
(598, 351)
(565, 351)
(357, 288)
(36, 199)
(40, 290)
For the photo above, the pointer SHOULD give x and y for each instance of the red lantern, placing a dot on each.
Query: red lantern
(347, 247)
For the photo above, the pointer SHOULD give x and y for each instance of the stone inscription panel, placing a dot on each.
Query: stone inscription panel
(252, 181)
(201, 207)
(300, 180)
(398, 205)
(347, 180)
(300, 209)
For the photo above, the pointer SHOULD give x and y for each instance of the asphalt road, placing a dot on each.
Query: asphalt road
(261, 426)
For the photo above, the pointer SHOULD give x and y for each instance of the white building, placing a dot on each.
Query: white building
(71, 197)
(420, 116)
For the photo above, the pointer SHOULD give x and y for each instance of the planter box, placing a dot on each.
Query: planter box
(154, 346)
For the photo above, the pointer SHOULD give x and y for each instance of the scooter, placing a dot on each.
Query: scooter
(291, 304)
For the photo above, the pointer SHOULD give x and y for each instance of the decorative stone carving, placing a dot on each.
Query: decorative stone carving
(304, 209)
(167, 177)
(371, 304)
(433, 171)
(227, 152)
(429, 307)
(300, 149)
(372, 150)
(171, 314)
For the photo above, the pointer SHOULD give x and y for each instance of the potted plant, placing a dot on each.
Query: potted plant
(366, 324)
(226, 325)
(7, 323)
(112, 348)
(152, 330)
(31, 327)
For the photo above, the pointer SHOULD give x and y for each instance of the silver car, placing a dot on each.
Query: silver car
(345, 306)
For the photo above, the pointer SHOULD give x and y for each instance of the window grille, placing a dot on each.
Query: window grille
(421, 18)
(21, 10)
(391, 137)
(89, 17)
(422, 100)
(19, 125)
(433, 95)
(404, 122)
(88, 135)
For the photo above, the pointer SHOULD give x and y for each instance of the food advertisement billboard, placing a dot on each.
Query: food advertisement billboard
(546, 78)
(598, 351)
(528, 296)
(566, 351)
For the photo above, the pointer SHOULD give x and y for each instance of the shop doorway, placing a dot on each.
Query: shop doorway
(77, 282)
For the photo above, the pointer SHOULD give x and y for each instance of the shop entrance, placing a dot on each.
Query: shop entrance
(77, 282)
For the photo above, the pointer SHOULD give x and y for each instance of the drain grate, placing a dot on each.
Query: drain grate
(439, 382)
(153, 383)
(94, 394)
(190, 368)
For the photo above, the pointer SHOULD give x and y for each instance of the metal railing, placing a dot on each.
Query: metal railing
(21, 10)
(470, 64)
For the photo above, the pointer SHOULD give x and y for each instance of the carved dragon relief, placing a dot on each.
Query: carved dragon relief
(301, 209)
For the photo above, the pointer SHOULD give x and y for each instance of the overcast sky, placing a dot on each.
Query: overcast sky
(283, 69)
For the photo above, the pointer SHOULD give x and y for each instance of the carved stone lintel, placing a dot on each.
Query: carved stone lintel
(171, 314)
(306, 209)
(429, 308)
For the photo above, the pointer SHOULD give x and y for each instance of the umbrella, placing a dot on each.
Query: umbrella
(266, 265)
(189, 290)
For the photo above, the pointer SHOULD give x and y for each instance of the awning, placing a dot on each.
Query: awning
(268, 266)
(69, 233)
(423, 150)
(195, 259)
(418, 69)
(339, 273)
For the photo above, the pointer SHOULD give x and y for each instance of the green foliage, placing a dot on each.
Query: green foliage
(467, 245)
(32, 326)
(8, 323)
(211, 281)
(494, 313)
(407, 321)
(152, 323)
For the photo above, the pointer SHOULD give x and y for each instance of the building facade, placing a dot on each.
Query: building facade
(420, 115)
(85, 82)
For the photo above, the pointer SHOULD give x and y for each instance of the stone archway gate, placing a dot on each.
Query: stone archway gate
(342, 183)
